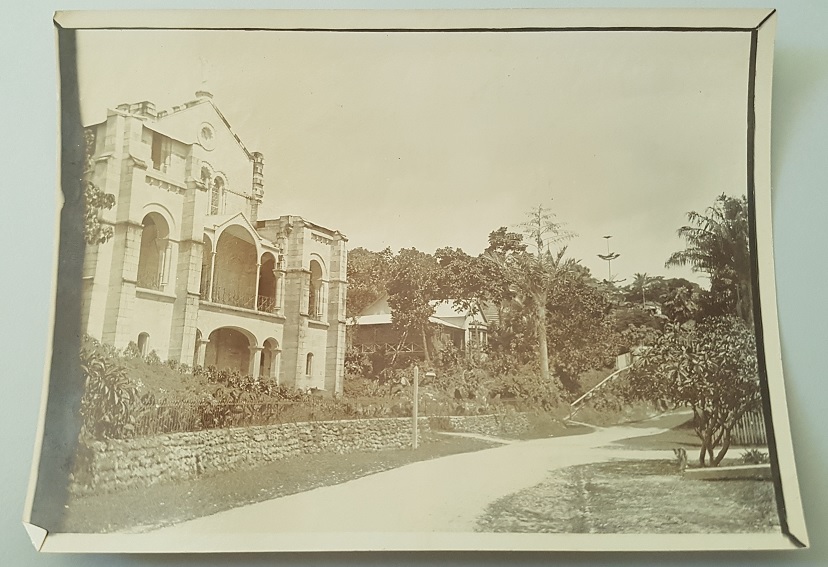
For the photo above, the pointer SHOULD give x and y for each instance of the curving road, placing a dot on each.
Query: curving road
(441, 495)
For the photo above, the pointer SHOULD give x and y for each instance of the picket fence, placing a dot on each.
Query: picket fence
(750, 430)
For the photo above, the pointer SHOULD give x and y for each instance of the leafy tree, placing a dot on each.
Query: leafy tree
(95, 199)
(468, 280)
(501, 241)
(710, 367)
(579, 327)
(530, 276)
(682, 304)
(368, 275)
(717, 245)
(412, 286)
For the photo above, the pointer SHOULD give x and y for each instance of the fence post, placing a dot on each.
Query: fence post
(415, 410)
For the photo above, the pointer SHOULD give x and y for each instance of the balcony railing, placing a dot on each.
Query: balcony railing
(267, 304)
(233, 298)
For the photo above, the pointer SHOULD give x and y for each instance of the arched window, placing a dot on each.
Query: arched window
(316, 292)
(216, 195)
(143, 344)
(152, 258)
(309, 364)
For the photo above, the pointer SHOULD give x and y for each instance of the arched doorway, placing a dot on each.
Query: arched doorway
(229, 349)
(271, 359)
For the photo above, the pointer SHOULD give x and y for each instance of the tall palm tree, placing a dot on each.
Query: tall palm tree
(639, 283)
(717, 243)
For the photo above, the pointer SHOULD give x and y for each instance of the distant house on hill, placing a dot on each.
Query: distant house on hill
(373, 330)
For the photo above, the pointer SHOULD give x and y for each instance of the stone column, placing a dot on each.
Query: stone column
(201, 352)
(163, 246)
(256, 293)
(255, 361)
(323, 301)
(275, 361)
(212, 275)
(280, 290)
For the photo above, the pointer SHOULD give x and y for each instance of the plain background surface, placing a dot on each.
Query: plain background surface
(800, 201)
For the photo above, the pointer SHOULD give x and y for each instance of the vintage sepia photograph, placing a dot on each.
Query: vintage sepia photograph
(469, 280)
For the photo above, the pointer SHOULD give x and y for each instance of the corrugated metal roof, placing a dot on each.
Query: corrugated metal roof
(385, 319)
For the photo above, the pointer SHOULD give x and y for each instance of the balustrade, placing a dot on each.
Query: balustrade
(236, 298)
(266, 304)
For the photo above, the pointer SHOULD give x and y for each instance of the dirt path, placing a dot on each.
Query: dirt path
(442, 495)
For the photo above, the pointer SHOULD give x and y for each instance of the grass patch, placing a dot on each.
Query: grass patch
(634, 497)
(165, 504)
(543, 425)
(682, 435)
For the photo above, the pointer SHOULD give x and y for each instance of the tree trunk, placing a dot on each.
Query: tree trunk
(543, 347)
(425, 348)
(702, 454)
(399, 346)
(723, 450)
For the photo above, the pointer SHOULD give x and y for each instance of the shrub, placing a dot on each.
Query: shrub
(108, 401)
(755, 457)
(527, 386)
(357, 363)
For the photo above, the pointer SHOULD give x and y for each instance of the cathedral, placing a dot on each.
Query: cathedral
(191, 271)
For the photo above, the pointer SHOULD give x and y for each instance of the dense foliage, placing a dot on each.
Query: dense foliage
(109, 398)
(95, 199)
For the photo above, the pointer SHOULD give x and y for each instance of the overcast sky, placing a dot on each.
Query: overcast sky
(436, 139)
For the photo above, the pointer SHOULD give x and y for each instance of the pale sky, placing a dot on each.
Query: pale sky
(436, 139)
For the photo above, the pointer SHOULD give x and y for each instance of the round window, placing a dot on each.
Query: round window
(207, 136)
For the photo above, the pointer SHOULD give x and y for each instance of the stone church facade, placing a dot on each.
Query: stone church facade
(192, 272)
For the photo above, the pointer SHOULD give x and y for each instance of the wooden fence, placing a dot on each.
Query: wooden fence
(750, 430)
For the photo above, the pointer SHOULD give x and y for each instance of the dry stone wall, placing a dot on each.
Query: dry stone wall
(509, 425)
(105, 466)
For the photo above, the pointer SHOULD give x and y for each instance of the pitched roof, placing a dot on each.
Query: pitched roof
(154, 120)
(445, 313)
(386, 319)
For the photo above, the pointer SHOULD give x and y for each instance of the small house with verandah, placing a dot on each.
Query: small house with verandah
(373, 331)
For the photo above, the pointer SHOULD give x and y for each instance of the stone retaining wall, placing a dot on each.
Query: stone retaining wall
(510, 425)
(105, 466)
